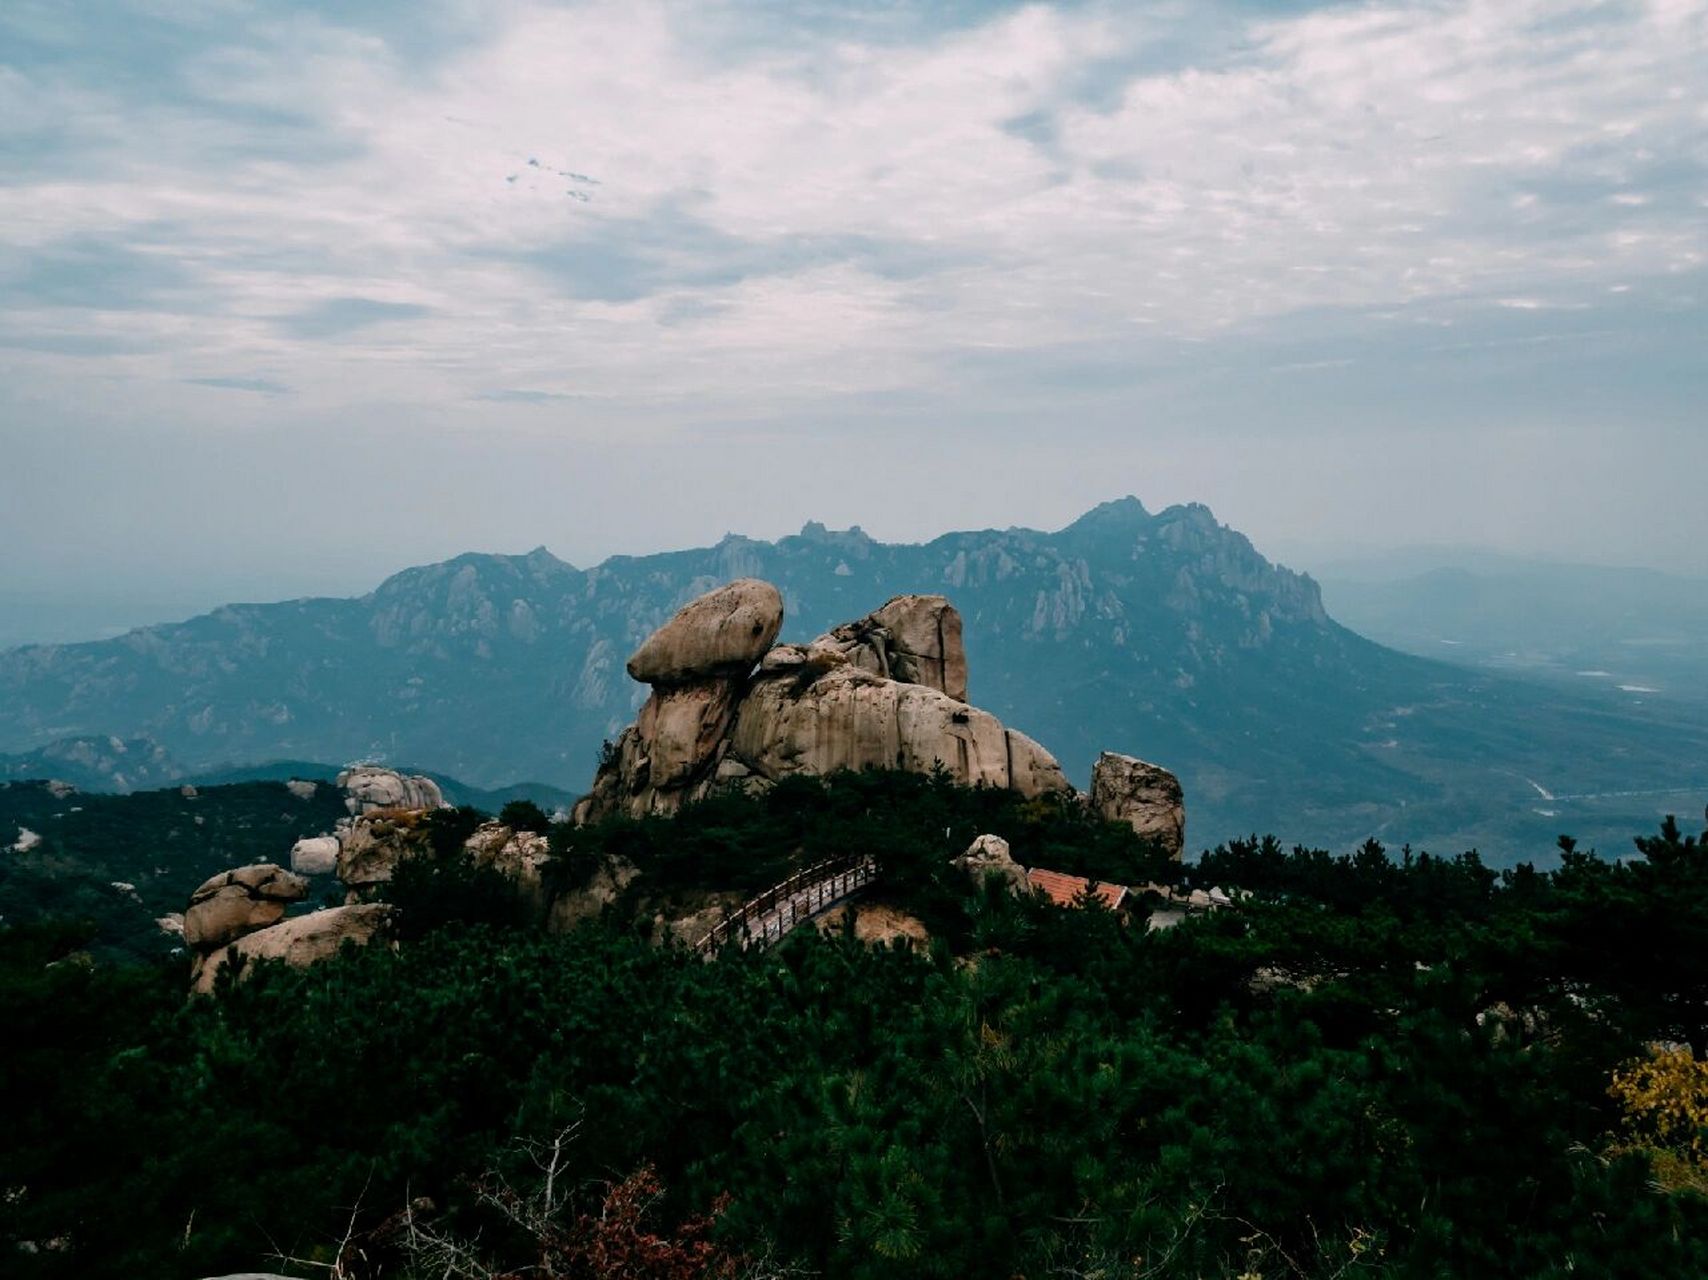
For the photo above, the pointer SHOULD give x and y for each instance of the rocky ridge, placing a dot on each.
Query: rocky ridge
(1165, 628)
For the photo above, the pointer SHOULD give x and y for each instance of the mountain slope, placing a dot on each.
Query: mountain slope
(1163, 635)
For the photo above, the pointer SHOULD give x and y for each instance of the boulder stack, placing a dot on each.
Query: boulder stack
(299, 941)
(728, 709)
(233, 903)
(988, 857)
(368, 787)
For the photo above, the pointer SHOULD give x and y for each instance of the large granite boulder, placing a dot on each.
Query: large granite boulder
(233, 903)
(988, 857)
(299, 941)
(723, 633)
(368, 787)
(914, 639)
(1145, 796)
(850, 719)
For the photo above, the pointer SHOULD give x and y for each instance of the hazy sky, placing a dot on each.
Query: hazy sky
(295, 294)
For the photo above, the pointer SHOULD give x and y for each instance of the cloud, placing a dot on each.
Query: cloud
(518, 395)
(811, 215)
(86, 273)
(262, 386)
(334, 317)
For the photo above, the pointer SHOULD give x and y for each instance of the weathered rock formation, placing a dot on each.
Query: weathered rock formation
(519, 855)
(299, 941)
(1145, 796)
(372, 847)
(847, 718)
(589, 901)
(368, 787)
(914, 639)
(729, 710)
(233, 903)
(987, 857)
(723, 633)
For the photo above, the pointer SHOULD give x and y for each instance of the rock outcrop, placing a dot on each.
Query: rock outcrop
(368, 787)
(372, 847)
(590, 901)
(914, 639)
(729, 710)
(519, 855)
(1145, 796)
(988, 857)
(233, 903)
(299, 941)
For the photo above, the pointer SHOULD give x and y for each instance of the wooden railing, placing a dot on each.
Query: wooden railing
(765, 919)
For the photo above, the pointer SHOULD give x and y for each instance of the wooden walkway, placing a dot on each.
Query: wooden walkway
(767, 918)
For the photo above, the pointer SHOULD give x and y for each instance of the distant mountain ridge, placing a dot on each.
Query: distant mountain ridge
(1165, 635)
(1638, 631)
(112, 766)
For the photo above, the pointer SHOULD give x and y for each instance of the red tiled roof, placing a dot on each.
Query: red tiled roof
(1064, 890)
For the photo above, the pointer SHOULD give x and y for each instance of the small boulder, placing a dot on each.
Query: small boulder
(315, 856)
(988, 856)
(876, 924)
(723, 633)
(233, 903)
(1145, 796)
(519, 856)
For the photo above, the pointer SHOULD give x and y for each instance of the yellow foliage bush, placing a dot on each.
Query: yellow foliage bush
(1665, 1100)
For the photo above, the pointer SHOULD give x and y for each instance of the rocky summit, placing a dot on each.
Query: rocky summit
(886, 691)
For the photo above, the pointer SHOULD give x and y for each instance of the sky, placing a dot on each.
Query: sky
(293, 295)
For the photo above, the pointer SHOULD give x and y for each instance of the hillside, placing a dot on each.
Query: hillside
(1352, 1067)
(1166, 635)
(120, 862)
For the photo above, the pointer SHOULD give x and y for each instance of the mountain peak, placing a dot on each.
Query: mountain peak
(1117, 516)
(815, 531)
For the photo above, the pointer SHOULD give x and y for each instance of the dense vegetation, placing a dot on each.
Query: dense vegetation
(119, 862)
(1384, 1066)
